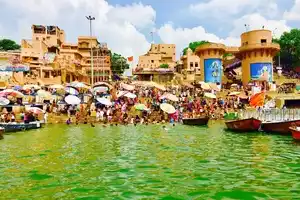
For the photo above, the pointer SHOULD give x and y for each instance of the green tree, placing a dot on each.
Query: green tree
(289, 48)
(165, 66)
(118, 63)
(6, 44)
(193, 46)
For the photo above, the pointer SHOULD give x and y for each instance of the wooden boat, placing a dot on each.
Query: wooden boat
(14, 127)
(295, 133)
(280, 127)
(196, 121)
(244, 125)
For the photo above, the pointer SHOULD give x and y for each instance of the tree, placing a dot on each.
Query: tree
(6, 44)
(193, 46)
(118, 63)
(165, 66)
(289, 48)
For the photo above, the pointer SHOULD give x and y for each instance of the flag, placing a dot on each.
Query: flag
(130, 59)
(257, 100)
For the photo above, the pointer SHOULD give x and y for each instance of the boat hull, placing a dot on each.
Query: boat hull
(280, 127)
(10, 127)
(295, 133)
(244, 125)
(196, 122)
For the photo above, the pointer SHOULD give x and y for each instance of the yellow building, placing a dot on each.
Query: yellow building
(191, 66)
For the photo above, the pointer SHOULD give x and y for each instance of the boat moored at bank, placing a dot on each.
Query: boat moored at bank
(243, 125)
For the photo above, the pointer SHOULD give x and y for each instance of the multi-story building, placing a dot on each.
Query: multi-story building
(158, 63)
(191, 66)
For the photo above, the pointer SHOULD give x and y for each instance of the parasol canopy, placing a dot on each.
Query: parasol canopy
(170, 97)
(127, 87)
(3, 101)
(141, 107)
(234, 93)
(210, 95)
(72, 100)
(79, 85)
(30, 86)
(104, 101)
(56, 86)
(71, 91)
(158, 86)
(205, 86)
(44, 94)
(36, 110)
(168, 108)
(130, 95)
(10, 92)
(101, 89)
(121, 93)
(102, 84)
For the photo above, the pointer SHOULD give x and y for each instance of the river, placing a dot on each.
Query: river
(147, 162)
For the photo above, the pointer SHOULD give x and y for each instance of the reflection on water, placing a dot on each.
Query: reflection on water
(147, 162)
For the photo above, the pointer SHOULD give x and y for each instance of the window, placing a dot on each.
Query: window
(196, 64)
(47, 75)
(152, 61)
(191, 64)
(37, 38)
(44, 39)
(263, 41)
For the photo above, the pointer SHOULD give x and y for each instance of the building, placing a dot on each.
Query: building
(191, 66)
(255, 55)
(54, 61)
(158, 63)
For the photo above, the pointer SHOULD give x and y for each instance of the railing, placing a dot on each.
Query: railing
(259, 45)
(273, 114)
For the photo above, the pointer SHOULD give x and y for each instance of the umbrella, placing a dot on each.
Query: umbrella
(71, 91)
(130, 95)
(234, 93)
(44, 94)
(242, 96)
(214, 86)
(121, 93)
(104, 101)
(72, 100)
(168, 108)
(36, 110)
(140, 106)
(30, 86)
(10, 92)
(3, 101)
(17, 87)
(57, 86)
(210, 95)
(169, 96)
(160, 87)
(77, 84)
(100, 89)
(205, 86)
(127, 87)
(102, 83)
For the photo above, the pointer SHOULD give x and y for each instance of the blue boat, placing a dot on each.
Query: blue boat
(14, 127)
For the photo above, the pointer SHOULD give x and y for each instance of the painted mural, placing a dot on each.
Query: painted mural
(212, 70)
(261, 71)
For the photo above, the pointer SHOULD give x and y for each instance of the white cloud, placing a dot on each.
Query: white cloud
(183, 36)
(294, 13)
(256, 21)
(222, 10)
(118, 26)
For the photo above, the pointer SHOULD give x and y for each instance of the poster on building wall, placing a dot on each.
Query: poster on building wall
(212, 70)
(261, 71)
(12, 64)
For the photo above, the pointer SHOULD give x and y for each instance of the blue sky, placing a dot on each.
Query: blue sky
(126, 24)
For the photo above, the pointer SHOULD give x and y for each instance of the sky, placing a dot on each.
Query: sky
(125, 25)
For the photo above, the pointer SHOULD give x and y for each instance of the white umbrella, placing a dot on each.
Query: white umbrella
(210, 95)
(169, 96)
(234, 93)
(130, 95)
(3, 101)
(29, 86)
(72, 100)
(77, 84)
(127, 87)
(36, 110)
(71, 91)
(121, 93)
(100, 89)
(104, 101)
(10, 92)
(56, 86)
(101, 84)
(168, 108)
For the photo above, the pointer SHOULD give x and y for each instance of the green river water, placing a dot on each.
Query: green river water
(148, 162)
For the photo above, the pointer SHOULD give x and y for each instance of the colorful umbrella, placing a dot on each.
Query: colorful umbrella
(168, 108)
(36, 110)
(17, 87)
(104, 101)
(30, 86)
(44, 94)
(3, 101)
(140, 107)
(72, 100)
(210, 95)
(71, 91)
(10, 92)
(130, 95)
(100, 89)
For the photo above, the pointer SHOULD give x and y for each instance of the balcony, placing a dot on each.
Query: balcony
(249, 47)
